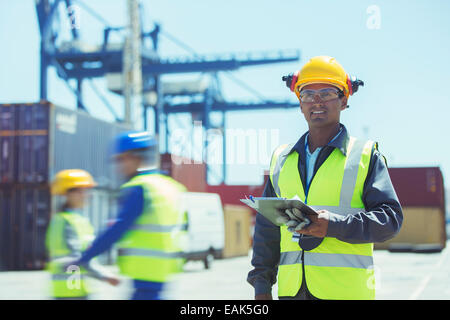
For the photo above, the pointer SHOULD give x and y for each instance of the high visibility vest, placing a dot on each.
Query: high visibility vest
(334, 269)
(69, 283)
(151, 249)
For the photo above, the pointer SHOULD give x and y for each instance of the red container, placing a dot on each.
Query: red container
(230, 194)
(192, 175)
(421, 186)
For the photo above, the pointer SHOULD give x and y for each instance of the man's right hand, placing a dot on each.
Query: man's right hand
(114, 281)
(266, 296)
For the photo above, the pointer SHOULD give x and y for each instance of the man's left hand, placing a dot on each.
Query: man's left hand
(319, 225)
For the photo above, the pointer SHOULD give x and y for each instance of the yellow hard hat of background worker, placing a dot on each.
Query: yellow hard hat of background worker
(70, 179)
(323, 69)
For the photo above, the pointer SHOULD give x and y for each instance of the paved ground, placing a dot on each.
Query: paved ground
(398, 276)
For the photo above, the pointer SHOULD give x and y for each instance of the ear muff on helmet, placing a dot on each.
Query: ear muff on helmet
(291, 80)
(349, 85)
(353, 84)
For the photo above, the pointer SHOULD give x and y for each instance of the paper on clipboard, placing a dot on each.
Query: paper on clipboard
(271, 208)
(250, 203)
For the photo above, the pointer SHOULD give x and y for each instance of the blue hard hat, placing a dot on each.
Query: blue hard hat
(132, 140)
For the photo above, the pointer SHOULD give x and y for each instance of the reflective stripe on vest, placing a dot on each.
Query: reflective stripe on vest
(147, 253)
(335, 269)
(290, 257)
(159, 228)
(67, 284)
(326, 259)
(151, 250)
(278, 159)
(66, 276)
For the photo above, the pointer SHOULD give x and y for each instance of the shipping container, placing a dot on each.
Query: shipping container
(423, 227)
(193, 175)
(419, 186)
(421, 193)
(7, 143)
(230, 194)
(24, 217)
(7, 244)
(37, 140)
(25, 212)
(186, 171)
(33, 204)
(237, 222)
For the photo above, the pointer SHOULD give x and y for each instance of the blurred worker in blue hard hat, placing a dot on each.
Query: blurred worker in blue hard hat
(150, 220)
(68, 234)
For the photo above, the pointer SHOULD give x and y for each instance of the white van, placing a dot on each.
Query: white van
(205, 227)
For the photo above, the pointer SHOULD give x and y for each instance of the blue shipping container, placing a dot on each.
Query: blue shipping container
(37, 140)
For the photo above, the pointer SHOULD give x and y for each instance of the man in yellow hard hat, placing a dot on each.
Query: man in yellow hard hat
(328, 255)
(70, 233)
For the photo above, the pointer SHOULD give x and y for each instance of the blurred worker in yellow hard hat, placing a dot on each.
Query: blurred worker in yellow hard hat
(150, 221)
(345, 179)
(70, 233)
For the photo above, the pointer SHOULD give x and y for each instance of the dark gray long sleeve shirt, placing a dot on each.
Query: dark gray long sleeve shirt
(381, 220)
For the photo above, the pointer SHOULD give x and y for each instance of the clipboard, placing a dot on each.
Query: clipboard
(271, 208)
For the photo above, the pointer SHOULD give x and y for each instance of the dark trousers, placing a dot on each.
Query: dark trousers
(72, 298)
(147, 290)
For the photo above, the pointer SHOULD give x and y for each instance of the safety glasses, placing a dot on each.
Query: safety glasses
(325, 94)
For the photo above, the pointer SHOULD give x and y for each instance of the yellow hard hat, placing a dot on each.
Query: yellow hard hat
(72, 178)
(323, 69)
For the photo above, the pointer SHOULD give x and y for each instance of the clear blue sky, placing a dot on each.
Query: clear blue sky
(405, 63)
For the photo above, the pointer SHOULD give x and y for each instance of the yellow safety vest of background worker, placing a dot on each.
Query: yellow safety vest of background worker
(150, 222)
(70, 233)
(329, 255)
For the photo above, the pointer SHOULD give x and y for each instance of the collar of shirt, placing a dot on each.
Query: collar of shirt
(340, 142)
(310, 160)
(148, 171)
(318, 148)
(312, 157)
(144, 171)
(73, 210)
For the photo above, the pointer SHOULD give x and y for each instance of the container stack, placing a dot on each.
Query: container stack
(421, 194)
(36, 141)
